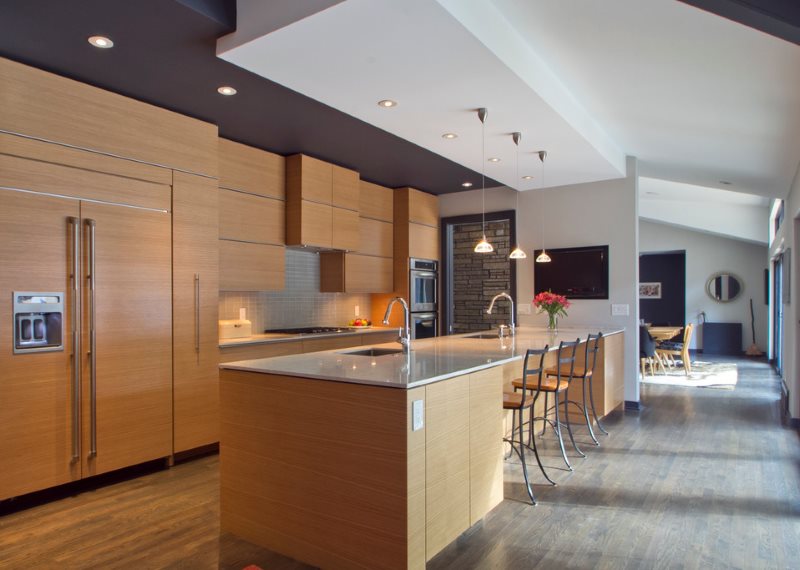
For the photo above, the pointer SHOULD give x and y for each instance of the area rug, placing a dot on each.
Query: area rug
(721, 375)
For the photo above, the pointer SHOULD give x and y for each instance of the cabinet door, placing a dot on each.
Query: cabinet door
(251, 170)
(423, 241)
(376, 202)
(250, 266)
(345, 188)
(368, 274)
(245, 217)
(423, 208)
(315, 224)
(195, 308)
(375, 237)
(309, 178)
(127, 417)
(37, 389)
(344, 233)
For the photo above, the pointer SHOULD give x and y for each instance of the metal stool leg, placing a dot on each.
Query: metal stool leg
(569, 426)
(520, 449)
(594, 413)
(585, 410)
(557, 428)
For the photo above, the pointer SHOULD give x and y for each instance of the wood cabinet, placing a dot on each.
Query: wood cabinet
(251, 170)
(354, 273)
(250, 266)
(368, 269)
(416, 234)
(321, 204)
(252, 214)
(375, 202)
(195, 273)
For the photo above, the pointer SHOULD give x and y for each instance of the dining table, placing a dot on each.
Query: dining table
(661, 334)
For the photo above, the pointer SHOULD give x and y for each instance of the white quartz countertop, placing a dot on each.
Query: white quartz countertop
(430, 360)
(263, 338)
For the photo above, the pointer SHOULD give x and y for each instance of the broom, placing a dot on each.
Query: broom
(753, 349)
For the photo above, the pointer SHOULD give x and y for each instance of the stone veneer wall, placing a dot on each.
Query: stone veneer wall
(477, 277)
(299, 304)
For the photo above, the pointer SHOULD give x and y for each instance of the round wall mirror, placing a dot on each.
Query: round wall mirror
(724, 287)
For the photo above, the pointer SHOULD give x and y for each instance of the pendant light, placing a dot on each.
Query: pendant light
(483, 246)
(543, 257)
(517, 253)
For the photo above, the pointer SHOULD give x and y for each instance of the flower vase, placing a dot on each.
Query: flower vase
(552, 323)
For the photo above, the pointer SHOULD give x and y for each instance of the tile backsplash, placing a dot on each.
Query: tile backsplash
(300, 304)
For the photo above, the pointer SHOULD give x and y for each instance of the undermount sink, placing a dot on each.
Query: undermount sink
(483, 335)
(374, 352)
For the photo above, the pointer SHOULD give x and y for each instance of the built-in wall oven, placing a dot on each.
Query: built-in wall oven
(424, 325)
(423, 285)
(423, 294)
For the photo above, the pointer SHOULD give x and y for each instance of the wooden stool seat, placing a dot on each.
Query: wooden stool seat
(548, 385)
(513, 401)
(577, 372)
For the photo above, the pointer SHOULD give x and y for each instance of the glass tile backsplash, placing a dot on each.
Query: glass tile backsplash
(300, 304)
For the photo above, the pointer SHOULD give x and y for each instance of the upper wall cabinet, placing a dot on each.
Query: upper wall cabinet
(252, 217)
(416, 225)
(321, 204)
(375, 202)
(251, 170)
(48, 107)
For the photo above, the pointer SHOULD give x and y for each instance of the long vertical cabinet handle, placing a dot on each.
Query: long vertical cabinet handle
(92, 277)
(76, 349)
(197, 313)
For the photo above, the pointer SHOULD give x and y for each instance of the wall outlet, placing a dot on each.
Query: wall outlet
(417, 415)
(242, 314)
(356, 311)
(524, 308)
(621, 310)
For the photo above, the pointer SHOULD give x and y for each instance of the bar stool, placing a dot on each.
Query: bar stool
(557, 385)
(518, 402)
(584, 374)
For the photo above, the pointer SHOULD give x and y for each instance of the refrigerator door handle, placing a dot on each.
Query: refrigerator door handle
(92, 277)
(76, 358)
(197, 313)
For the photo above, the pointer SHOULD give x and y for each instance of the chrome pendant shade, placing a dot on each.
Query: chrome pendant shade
(483, 246)
(543, 257)
(518, 253)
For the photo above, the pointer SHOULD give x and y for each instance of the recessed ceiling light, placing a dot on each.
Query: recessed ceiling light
(467, 184)
(528, 177)
(449, 136)
(387, 103)
(725, 182)
(101, 42)
(226, 90)
(494, 159)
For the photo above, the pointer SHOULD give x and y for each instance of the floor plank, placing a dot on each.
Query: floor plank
(701, 478)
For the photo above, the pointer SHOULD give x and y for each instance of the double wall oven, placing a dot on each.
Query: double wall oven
(423, 294)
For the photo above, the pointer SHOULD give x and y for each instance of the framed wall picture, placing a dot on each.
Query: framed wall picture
(649, 290)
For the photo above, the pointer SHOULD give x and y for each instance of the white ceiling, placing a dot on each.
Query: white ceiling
(695, 97)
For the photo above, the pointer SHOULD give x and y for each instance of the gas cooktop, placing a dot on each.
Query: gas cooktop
(309, 330)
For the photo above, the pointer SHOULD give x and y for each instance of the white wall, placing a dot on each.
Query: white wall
(705, 255)
(599, 213)
(789, 237)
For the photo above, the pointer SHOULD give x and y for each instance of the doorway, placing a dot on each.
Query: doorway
(668, 269)
(469, 279)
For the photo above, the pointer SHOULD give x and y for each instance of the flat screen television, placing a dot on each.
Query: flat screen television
(577, 272)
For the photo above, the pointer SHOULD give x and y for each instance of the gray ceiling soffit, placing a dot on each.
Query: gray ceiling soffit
(779, 18)
(221, 11)
(165, 54)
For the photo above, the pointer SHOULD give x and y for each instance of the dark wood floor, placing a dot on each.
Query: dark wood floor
(701, 478)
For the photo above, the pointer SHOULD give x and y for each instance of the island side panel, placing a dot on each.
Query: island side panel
(613, 395)
(486, 424)
(416, 483)
(315, 470)
(447, 462)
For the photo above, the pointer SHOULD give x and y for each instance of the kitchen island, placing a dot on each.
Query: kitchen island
(346, 460)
